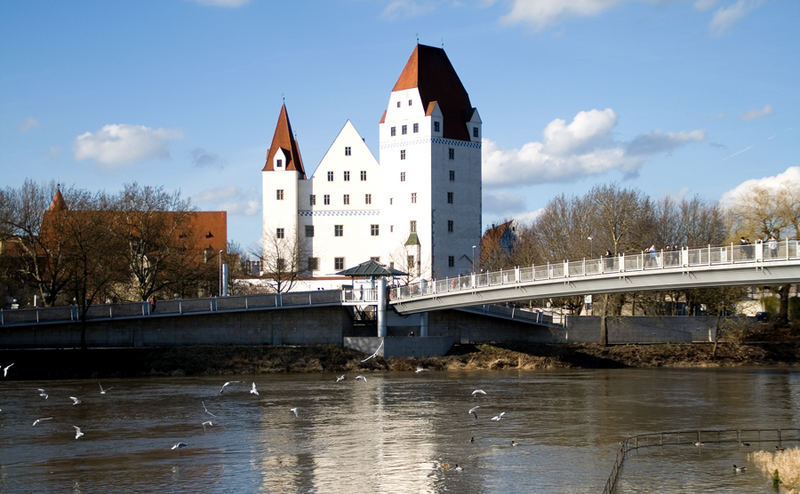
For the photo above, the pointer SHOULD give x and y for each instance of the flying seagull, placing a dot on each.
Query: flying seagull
(103, 390)
(178, 446)
(253, 390)
(5, 369)
(39, 421)
(294, 411)
(361, 378)
(227, 383)
(340, 378)
(474, 411)
(42, 393)
(478, 392)
(75, 400)
(206, 409)
(78, 432)
(207, 423)
(497, 418)
(374, 354)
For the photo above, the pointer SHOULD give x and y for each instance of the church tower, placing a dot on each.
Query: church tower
(280, 180)
(430, 155)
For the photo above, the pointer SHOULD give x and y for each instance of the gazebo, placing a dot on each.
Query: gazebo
(371, 269)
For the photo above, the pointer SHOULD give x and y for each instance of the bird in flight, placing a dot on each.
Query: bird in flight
(361, 378)
(253, 390)
(374, 354)
(227, 383)
(206, 409)
(75, 400)
(78, 432)
(42, 393)
(294, 411)
(39, 421)
(5, 369)
(478, 392)
(178, 446)
(474, 411)
(103, 390)
(207, 423)
(497, 418)
(340, 378)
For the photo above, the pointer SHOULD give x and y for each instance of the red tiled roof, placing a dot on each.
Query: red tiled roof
(284, 139)
(429, 70)
(58, 203)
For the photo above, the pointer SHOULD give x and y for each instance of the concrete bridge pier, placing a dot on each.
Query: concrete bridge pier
(381, 307)
(423, 324)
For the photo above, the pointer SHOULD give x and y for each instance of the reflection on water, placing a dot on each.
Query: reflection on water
(399, 432)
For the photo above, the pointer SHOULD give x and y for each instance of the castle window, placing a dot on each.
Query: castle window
(309, 231)
(404, 129)
(416, 128)
(475, 132)
(412, 226)
(279, 194)
(313, 263)
(326, 199)
(393, 131)
(449, 198)
(398, 104)
(402, 154)
(338, 230)
(363, 175)
(436, 126)
(413, 198)
(374, 230)
(411, 265)
(278, 163)
(346, 176)
(452, 175)
(451, 261)
(391, 201)
(450, 226)
(409, 102)
(338, 263)
(367, 198)
(347, 150)
(330, 176)
(346, 199)
(451, 153)
(402, 176)
(279, 233)
(391, 228)
(280, 264)
(312, 200)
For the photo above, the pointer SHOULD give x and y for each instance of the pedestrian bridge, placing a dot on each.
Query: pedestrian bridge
(769, 263)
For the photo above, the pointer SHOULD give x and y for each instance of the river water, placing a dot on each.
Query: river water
(396, 432)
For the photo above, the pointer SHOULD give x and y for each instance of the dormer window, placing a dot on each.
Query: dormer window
(436, 126)
(409, 102)
(475, 132)
(278, 163)
(347, 150)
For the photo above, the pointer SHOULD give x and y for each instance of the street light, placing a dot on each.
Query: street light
(589, 238)
(219, 272)
(473, 258)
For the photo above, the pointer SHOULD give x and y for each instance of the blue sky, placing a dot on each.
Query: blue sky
(670, 97)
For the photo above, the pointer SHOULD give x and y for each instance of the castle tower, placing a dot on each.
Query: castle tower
(280, 188)
(430, 155)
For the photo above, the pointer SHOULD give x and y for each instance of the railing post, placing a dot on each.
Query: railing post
(566, 269)
(180, 306)
(622, 263)
(37, 315)
(709, 254)
(2, 321)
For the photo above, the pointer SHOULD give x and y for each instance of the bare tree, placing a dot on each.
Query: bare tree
(282, 261)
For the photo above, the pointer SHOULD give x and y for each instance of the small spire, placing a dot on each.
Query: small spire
(417, 38)
(283, 98)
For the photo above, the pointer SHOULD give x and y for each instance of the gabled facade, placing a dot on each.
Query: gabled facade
(417, 210)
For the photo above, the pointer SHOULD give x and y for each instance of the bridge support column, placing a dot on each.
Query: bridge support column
(423, 324)
(381, 307)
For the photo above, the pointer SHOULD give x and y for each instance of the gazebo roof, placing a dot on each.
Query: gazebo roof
(370, 269)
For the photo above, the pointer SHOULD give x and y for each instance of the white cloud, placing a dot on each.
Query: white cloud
(789, 178)
(502, 204)
(725, 17)
(119, 144)
(232, 199)
(757, 113)
(223, 3)
(28, 124)
(540, 13)
(529, 217)
(572, 151)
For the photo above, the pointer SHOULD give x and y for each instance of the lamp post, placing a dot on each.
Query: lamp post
(591, 251)
(219, 272)
(473, 258)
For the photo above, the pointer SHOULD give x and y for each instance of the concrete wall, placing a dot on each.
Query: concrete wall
(305, 326)
(642, 329)
(402, 346)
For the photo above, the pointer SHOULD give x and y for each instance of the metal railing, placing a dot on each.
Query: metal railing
(172, 307)
(694, 438)
(757, 253)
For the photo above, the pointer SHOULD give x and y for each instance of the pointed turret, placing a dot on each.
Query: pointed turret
(284, 153)
(429, 70)
(58, 203)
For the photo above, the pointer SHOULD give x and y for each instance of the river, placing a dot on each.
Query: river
(396, 432)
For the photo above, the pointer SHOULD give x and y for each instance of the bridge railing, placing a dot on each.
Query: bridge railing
(759, 252)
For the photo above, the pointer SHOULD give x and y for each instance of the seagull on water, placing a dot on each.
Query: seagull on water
(458, 468)
(478, 392)
(227, 383)
(253, 390)
(474, 411)
(739, 469)
(340, 378)
(206, 409)
(699, 444)
(78, 432)
(374, 354)
(39, 421)
(5, 369)
(178, 446)
(75, 400)
(514, 443)
(361, 378)
(42, 393)
(420, 369)
(497, 418)
(294, 411)
(207, 423)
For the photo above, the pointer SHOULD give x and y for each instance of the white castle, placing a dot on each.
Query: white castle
(418, 209)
